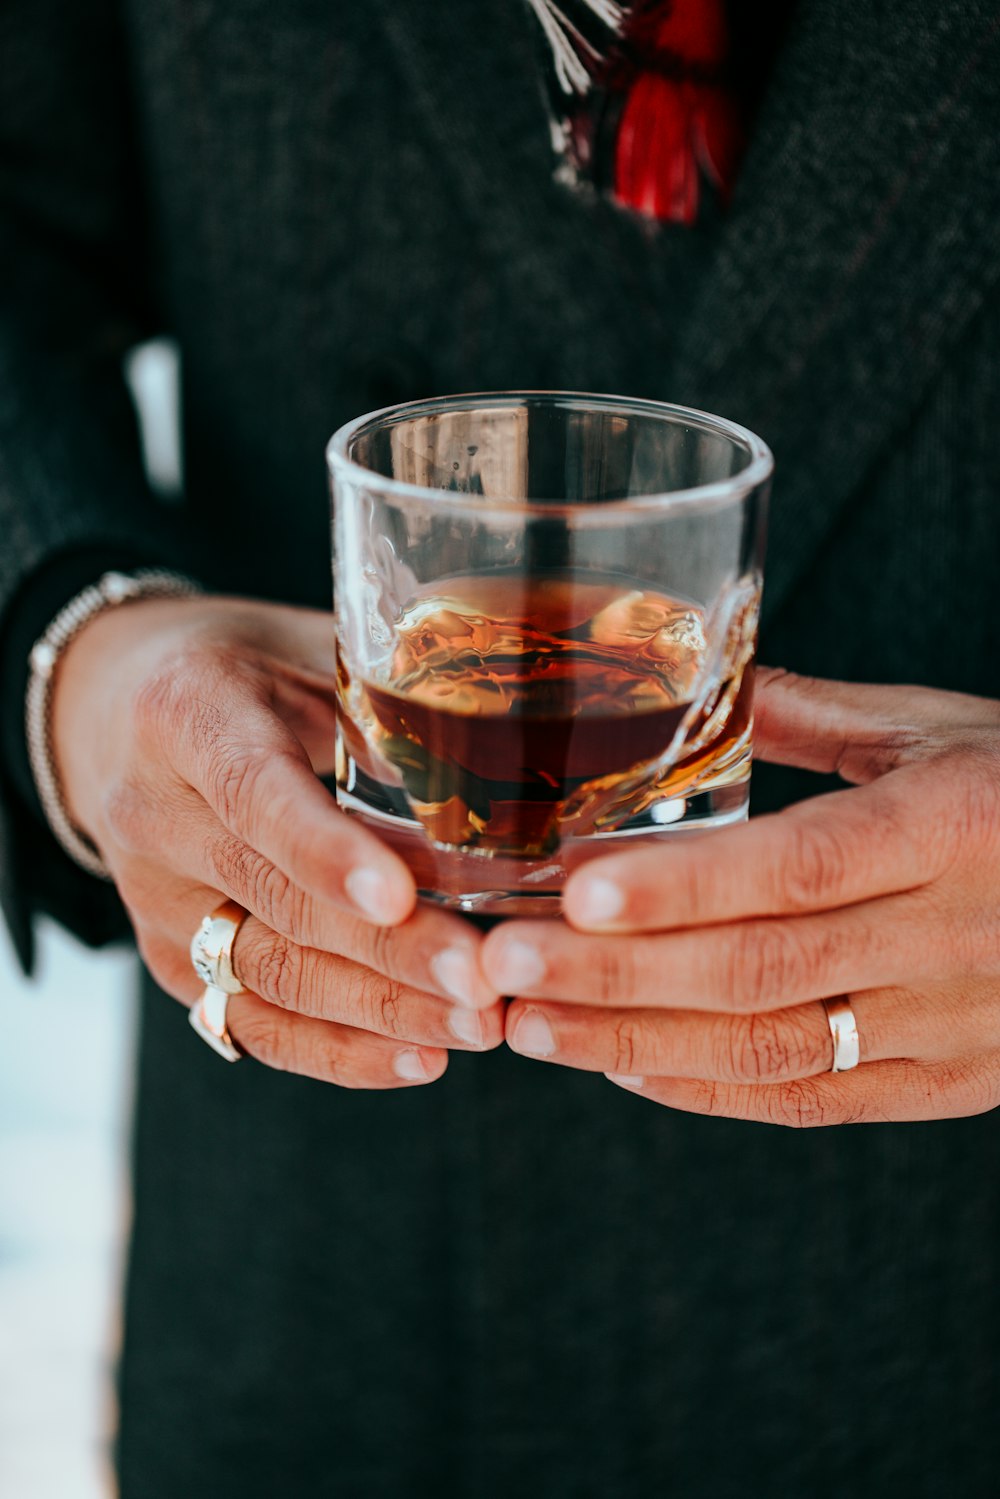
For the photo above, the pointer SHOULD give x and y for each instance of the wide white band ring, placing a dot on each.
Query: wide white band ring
(212, 957)
(208, 1017)
(212, 947)
(844, 1030)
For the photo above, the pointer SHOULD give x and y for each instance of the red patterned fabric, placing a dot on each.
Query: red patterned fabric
(680, 128)
(644, 104)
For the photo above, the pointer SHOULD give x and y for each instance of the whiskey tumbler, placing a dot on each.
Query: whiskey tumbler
(546, 613)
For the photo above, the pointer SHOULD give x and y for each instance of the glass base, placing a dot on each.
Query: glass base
(484, 883)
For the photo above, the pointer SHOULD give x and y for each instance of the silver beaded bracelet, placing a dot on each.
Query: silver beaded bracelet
(113, 589)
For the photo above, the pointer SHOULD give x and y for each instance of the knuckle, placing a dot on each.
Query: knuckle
(232, 861)
(768, 1046)
(233, 781)
(802, 958)
(380, 1001)
(818, 864)
(802, 1105)
(628, 1044)
(708, 1097)
(283, 903)
(259, 885)
(759, 965)
(240, 867)
(279, 965)
(613, 971)
(700, 888)
(381, 950)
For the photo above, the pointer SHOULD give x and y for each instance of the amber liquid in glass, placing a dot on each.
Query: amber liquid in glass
(516, 711)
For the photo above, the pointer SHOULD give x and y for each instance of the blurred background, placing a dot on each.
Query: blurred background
(66, 1061)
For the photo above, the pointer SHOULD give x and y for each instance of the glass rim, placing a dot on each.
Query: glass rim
(756, 472)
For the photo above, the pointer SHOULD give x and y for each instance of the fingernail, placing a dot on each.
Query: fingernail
(455, 970)
(624, 1079)
(521, 967)
(598, 901)
(371, 892)
(410, 1064)
(467, 1025)
(533, 1035)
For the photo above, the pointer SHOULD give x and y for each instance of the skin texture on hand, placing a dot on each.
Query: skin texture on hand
(692, 970)
(189, 736)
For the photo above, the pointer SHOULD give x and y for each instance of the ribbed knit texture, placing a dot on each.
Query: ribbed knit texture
(521, 1279)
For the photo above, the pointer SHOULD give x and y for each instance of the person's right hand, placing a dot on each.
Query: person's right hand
(188, 736)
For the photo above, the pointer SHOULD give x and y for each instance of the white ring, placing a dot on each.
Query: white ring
(212, 948)
(844, 1030)
(208, 1017)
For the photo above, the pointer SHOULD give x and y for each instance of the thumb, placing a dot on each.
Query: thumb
(858, 730)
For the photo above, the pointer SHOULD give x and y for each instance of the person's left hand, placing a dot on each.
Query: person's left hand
(697, 965)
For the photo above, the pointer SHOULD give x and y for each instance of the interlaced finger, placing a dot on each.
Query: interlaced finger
(878, 1093)
(742, 967)
(832, 851)
(433, 950)
(780, 1045)
(330, 1053)
(343, 996)
(334, 988)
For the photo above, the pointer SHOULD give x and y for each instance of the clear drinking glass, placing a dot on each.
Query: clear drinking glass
(546, 612)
